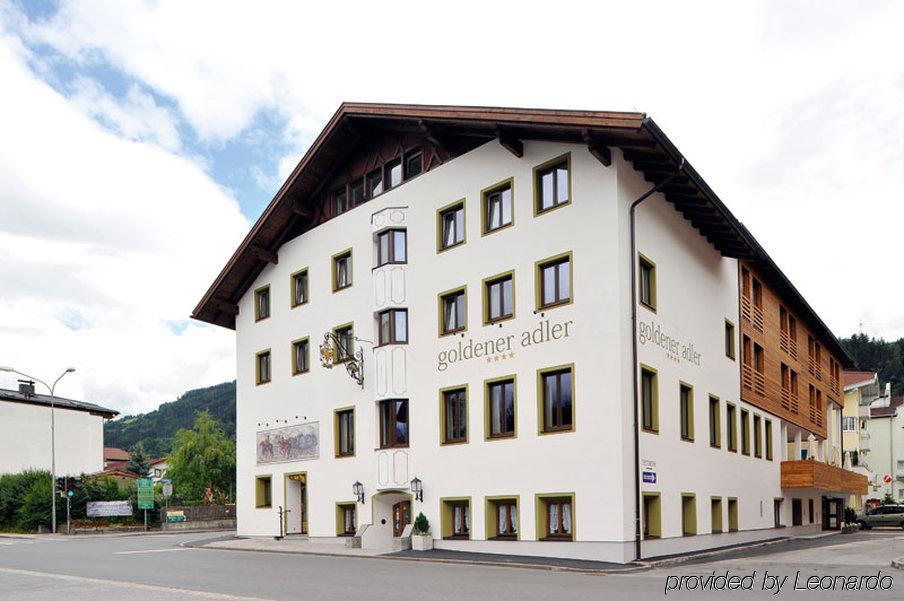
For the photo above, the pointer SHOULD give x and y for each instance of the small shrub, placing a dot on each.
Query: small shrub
(850, 515)
(421, 524)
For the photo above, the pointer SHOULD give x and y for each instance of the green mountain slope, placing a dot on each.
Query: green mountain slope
(885, 357)
(155, 430)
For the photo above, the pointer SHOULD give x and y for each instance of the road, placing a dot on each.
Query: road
(157, 568)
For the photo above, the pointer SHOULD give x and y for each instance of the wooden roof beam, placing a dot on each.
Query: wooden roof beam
(263, 254)
(301, 209)
(432, 135)
(599, 150)
(510, 142)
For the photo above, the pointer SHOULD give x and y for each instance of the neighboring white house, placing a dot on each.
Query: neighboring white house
(157, 468)
(25, 433)
(489, 363)
(886, 436)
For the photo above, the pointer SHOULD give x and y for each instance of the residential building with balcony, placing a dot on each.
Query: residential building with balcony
(861, 389)
(886, 435)
(542, 329)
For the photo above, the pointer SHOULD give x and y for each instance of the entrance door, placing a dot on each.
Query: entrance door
(401, 517)
(831, 513)
(296, 504)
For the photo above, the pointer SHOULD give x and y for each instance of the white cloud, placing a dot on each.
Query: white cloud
(790, 110)
(105, 243)
(136, 117)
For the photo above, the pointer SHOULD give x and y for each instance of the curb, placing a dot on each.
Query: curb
(898, 563)
(630, 568)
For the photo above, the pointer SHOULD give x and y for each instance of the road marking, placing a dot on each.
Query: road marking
(153, 551)
(132, 585)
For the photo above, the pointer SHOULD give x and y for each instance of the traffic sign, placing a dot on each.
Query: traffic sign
(887, 479)
(145, 493)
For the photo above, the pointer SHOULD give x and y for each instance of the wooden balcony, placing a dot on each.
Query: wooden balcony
(809, 473)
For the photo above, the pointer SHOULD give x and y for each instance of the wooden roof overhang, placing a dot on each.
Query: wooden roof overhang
(291, 211)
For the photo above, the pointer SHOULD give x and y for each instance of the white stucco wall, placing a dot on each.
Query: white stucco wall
(25, 439)
(697, 290)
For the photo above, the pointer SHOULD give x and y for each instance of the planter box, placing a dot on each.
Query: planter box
(420, 542)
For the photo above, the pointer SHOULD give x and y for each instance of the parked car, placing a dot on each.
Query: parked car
(886, 515)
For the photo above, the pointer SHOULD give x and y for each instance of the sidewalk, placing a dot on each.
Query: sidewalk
(306, 547)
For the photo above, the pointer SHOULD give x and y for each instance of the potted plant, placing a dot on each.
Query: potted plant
(421, 539)
(850, 521)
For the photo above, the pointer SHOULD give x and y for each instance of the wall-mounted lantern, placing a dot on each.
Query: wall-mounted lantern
(358, 490)
(417, 487)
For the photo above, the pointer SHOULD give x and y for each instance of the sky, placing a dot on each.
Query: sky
(140, 140)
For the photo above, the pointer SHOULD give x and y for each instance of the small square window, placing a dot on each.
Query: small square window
(340, 202)
(262, 303)
(262, 367)
(499, 300)
(393, 423)
(346, 519)
(393, 327)
(503, 518)
(647, 283)
(456, 519)
(342, 271)
(299, 282)
(649, 401)
(553, 185)
(557, 398)
(375, 183)
(392, 247)
(393, 174)
(729, 340)
(452, 310)
(455, 415)
(301, 362)
(451, 226)
(500, 399)
(414, 164)
(345, 433)
(263, 492)
(357, 192)
(554, 282)
(346, 347)
(497, 207)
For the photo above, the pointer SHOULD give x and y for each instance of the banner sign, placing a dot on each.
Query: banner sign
(176, 515)
(104, 509)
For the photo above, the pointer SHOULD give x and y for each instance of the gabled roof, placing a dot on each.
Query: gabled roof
(14, 396)
(889, 411)
(115, 454)
(854, 378)
(638, 137)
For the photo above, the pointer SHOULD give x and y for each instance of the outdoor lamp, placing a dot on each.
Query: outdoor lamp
(358, 489)
(417, 487)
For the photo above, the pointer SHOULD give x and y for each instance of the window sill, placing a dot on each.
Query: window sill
(498, 320)
(717, 447)
(443, 249)
(684, 439)
(557, 539)
(488, 232)
(458, 537)
(388, 264)
(555, 305)
(264, 507)
(400, 343)
(262, 383)
(296, 305)
(501, 437)
(645, 305)
(452, 443)
(345, 456)
(505, 537)
(539, 212)
(301, 373)
(335, 290)
(556, 431)
(404, 446)
(650, 431)
(257, 319)
(453, 332)
(651, 537)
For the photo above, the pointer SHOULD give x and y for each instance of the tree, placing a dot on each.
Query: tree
(138, 463)
(203, 458)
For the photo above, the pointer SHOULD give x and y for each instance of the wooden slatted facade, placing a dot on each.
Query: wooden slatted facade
(773, 336)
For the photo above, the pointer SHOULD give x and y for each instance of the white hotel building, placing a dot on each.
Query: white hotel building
(478, 263)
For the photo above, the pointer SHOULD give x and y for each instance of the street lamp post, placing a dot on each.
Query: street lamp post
(53, 525)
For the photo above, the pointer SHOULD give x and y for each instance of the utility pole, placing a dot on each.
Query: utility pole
(53, 491)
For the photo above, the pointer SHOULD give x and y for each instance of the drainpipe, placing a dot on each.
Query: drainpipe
(638, 534)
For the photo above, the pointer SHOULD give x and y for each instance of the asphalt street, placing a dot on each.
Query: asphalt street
(135, 568)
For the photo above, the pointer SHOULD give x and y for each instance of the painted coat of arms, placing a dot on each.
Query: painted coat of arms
(291, 443)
